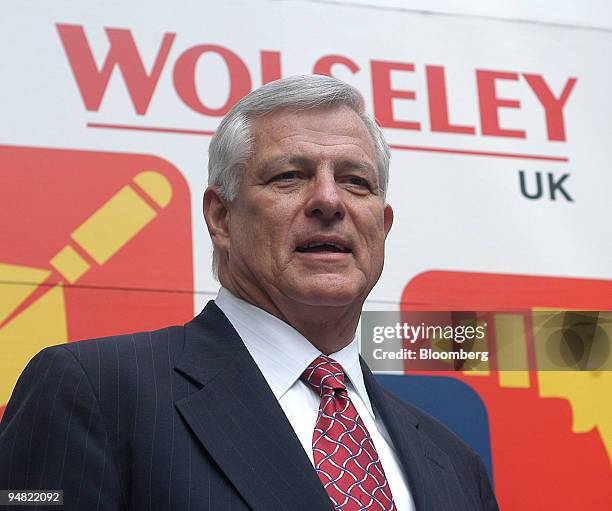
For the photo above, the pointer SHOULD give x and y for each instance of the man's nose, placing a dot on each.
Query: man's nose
(325, 200)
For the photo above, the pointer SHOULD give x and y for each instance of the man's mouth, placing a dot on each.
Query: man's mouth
(323, 247)
(324, 244)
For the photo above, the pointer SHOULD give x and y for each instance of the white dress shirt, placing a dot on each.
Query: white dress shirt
(282, 355)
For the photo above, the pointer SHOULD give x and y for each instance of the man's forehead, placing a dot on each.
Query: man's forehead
(325, 127)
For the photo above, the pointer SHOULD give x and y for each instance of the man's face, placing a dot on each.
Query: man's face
(308, 224)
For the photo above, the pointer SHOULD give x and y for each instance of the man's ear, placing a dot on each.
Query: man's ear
(388, 218)
(216, 215)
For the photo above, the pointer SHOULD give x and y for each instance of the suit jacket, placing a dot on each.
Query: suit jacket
(182, 418)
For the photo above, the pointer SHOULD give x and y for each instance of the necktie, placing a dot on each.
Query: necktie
(344, 455)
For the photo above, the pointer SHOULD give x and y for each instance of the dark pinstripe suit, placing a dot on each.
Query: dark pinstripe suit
(182, 418)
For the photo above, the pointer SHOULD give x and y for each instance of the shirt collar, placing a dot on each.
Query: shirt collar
(280, 351)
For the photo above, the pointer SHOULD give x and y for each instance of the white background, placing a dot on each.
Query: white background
(452, 212)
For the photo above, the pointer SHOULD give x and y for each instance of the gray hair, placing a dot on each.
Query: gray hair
(231, 146)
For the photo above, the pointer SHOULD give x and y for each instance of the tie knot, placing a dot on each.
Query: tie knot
(325, 375)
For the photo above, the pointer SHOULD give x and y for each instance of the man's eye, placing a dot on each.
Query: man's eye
(286, 176)
(359, 181)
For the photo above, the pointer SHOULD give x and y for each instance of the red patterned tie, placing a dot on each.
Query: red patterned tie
(344, 455)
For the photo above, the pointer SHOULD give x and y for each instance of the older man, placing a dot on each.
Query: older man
(261, 402)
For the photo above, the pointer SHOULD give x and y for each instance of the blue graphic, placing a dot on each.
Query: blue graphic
(452, 402)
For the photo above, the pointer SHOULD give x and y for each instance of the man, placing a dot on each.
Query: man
(261, 402)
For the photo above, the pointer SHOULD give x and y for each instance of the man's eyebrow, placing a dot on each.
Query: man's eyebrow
(305, 162)
(285, 159)
(356, 164)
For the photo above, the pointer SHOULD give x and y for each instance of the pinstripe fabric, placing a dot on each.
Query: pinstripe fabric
(182, 419)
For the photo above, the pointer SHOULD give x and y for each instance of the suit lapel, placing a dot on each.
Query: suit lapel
(416, 452)
(240, 423)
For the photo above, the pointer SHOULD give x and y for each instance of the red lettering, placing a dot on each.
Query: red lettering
(184, 78)
(324, 64)
(92, 81)
(123, 53)
(384, 94)
(553, 107)
(270, 66)
(438, 103)
(490, 103)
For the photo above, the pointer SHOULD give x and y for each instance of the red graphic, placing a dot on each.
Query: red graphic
(108, 235)
(539, 462)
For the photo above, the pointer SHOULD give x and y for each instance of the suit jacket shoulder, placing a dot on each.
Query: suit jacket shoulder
(77, 411)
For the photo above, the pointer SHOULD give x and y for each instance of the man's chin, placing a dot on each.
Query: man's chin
(328, 292)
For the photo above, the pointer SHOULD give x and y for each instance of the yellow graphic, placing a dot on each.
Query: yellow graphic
(155, 186)
(70, 264)
(581, 340)
(14, 294)
(43, 321)
(589, 395)
(511, 350)
(113, 225)
(573, 362)
(20, 339)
